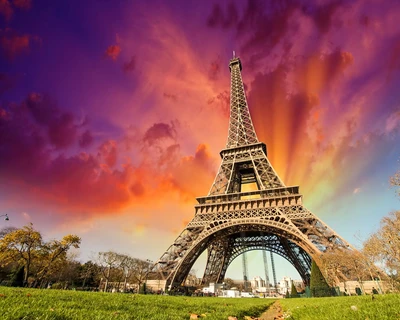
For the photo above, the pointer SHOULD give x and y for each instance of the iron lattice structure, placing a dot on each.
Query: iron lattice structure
(230, 220)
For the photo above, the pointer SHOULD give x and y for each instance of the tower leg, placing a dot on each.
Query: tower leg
(264, 253)
(245, 272)
(273, 272)
(215, 261)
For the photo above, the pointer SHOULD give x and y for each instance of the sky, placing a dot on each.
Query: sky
(113, 113)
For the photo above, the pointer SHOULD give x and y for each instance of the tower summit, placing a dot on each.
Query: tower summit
(241, 130)
(242, 142)
(247, 208)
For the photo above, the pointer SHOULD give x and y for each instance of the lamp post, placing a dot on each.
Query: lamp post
(6, 217)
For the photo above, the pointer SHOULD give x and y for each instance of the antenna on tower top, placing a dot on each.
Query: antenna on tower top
(234, 54)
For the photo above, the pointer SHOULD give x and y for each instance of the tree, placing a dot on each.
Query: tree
(7, 271)
(128, 265)
(332, 263)
(26, 248)
(141, 270)
(20, 246)
(191, 279)
(107, 261)
(229, 283)
(383, 246)
(341, 265)
(88, 273)
(6, 230)
(64, 272)
(52, 252)
(395, 181)
(17, 277)
(318, 285)
(293, 291)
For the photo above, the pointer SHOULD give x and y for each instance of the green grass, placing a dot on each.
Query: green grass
(36, 304)
(382, 307)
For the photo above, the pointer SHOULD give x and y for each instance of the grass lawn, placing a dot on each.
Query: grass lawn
(38, 304)
(380, 307)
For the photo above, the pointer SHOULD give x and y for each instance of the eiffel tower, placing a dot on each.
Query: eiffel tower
(248, 208)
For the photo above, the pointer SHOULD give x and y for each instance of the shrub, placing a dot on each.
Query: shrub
(318, 285)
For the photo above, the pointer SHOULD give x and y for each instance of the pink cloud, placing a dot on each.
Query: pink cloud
(170, 96)
(219, 18)
(159, 131)
(102, 181)
(214, 69)
(85, 139)
(222, 102)
(130, 65)
(62, 132)
(61, 126)
(290, 102)
(80, 183)
(323, 15)
(171, 153)
(108, 153)
(392, 122)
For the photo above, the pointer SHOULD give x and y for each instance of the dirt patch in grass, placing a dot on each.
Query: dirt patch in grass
(274, 312)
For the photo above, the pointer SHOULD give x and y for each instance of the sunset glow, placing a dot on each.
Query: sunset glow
(113, 113)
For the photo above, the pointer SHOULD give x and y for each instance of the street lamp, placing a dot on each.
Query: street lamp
(6, 217)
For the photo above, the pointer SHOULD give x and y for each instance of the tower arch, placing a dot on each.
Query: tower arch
(226, 240)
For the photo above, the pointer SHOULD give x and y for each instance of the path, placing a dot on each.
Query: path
(274, 312)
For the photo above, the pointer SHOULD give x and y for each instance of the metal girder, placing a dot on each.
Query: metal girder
(236, 161)
(217, 254)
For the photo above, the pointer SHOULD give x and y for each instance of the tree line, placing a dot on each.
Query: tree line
(29, 261)
(378, 259)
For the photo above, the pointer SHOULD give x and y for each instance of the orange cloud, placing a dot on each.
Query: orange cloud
(108, 153)
(113, 51)
(103, 181)
(193, 175)
(13, 44)
(214, 69)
